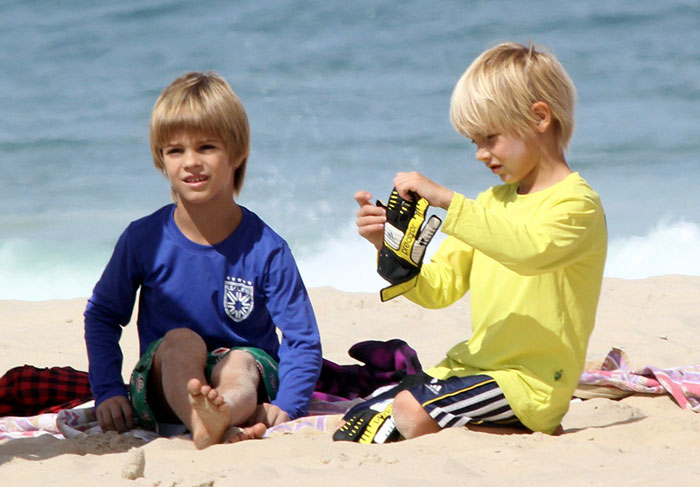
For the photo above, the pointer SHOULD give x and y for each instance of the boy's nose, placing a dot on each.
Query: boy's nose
(482, 154)
(191, 159)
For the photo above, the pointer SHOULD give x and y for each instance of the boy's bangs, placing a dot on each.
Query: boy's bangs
(189, 120)
(474, 116)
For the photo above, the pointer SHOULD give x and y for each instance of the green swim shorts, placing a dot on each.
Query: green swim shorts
(267, 367)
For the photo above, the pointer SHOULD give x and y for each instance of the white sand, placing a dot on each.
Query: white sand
(640, 440)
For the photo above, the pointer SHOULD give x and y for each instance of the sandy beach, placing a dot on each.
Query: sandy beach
(638, 440)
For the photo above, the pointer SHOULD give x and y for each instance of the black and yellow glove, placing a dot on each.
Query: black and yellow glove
(401, 255)
(374, 424)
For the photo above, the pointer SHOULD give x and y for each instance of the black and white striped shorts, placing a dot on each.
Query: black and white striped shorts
(456, 401)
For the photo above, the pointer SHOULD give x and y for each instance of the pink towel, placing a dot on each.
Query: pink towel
(682, 383)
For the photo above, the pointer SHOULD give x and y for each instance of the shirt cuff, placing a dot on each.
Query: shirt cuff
(453, 212)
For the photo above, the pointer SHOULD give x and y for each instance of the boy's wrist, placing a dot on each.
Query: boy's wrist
(446, 199)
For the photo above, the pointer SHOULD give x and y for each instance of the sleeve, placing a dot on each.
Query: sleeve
(549, 241)
(445, 279)
(107, 311)
(300, 349)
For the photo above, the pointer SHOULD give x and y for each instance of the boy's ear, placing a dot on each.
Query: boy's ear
(543, 115)
(237, 162)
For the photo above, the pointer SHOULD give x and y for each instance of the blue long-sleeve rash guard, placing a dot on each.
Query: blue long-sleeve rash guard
(235, 293)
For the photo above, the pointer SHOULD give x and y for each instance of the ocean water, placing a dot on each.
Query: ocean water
(340, 97)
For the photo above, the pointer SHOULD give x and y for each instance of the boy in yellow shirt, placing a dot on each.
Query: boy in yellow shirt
(531, 251)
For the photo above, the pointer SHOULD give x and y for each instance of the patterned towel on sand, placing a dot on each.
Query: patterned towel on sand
(682, 383)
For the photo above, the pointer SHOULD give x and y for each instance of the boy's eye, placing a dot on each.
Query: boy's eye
(172, 150)
(209, 146)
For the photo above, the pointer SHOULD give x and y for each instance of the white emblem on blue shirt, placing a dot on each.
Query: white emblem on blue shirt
(238, 298)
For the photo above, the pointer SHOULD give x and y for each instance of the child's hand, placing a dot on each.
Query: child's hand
(370, 219)
(269, 415)
(406, 182)
(115, 414)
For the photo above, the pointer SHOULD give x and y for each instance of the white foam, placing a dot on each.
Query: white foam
(671, 247)
(347, 262)
(30, 273)
(344, 261)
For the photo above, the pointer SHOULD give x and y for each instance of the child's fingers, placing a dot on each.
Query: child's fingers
(368, 228)
(364, 218)
(370, 219)
(369, 213)
(363, 198)
(371, 210)
(115, 414)
(105, 420)
(407, 183)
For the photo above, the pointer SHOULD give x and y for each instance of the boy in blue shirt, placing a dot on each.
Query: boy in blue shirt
(215, 284)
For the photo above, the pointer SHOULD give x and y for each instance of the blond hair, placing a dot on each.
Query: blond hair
(201, 103)
(496, 93)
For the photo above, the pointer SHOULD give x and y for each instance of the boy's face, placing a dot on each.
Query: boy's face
(199, 169)
(511, 158)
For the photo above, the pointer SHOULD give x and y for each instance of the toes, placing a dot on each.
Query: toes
(194, 387)
(234, 434)
(256, 431)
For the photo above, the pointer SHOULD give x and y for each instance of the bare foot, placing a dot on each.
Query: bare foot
(210, 415)
(235, 434)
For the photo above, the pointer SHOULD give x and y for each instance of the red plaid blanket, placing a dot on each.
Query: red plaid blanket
(29, 390)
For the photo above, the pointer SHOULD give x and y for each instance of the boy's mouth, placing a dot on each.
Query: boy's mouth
(195, 179)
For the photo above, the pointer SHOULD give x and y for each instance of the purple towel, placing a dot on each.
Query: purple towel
(385, 363)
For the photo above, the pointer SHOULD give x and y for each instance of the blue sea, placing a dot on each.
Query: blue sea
(340, 96)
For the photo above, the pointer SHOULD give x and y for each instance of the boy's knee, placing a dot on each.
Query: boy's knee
(406, 406)
(238, 361)
(238, 365)
(410, 417)
(181, 338)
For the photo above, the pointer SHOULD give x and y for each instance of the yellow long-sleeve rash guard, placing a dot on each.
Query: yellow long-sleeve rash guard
(534, 266)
